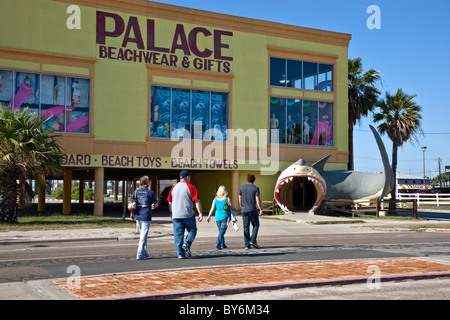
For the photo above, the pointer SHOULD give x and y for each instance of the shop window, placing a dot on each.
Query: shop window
(301, 74)
(188, 114)
(310, 122)
(309, 76)
(77, 105)
(301, 122)
(278, 120)
(6, 88)
(52, 101)
(294, 72)
(325, 77)
(325, 124)
(65, 101)
(278, 72)
(294, 121)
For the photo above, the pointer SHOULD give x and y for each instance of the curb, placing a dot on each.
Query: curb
(279, 286)
(7, 242)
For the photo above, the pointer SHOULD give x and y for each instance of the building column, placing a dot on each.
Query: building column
(235, 188)
(81, 188)
(154, 185)
(67, 191)
(98, 193)
(41, 195)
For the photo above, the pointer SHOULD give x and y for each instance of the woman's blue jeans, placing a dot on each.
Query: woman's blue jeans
(222, 225)
(179, 226)
(144, 227)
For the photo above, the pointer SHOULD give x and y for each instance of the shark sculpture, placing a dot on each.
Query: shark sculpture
(342, 186)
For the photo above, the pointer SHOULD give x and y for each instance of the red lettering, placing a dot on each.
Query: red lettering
(200, 41)
(119, 26)
(173, 61)
(218, 45)
(193, 38)
(180, 35)
(133, 24)
(151, 37)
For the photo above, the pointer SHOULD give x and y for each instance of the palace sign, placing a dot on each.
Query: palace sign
(198, 48)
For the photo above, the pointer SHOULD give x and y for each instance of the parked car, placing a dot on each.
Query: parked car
(440, 190)
(164, 195)
(423, 191)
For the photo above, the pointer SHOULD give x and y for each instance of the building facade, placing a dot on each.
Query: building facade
(136, 87)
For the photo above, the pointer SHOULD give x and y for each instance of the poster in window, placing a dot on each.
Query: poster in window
(180, 114)
(200, 111)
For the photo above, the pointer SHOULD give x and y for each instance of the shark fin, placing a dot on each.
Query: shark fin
(320, 165)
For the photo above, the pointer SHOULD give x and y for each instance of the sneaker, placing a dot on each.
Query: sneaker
(188, 251)
(145, 258)
(218, 248)
(181, 257)
(247, 247)
(254, 245)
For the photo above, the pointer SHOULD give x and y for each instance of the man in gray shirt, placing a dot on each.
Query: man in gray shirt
(181, 198)
(248, 198)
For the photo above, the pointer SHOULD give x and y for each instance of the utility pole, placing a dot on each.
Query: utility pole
(439, 160)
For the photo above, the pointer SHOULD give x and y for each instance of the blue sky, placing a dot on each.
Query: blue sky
(411, 51)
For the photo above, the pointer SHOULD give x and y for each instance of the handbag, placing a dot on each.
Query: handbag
(227, 208)
(132, 204)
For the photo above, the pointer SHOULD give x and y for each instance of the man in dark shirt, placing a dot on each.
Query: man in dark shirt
(248, 198)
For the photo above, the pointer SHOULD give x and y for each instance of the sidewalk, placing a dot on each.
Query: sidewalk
(172, 284)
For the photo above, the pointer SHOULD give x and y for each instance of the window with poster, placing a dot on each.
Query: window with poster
(188, 114)
(64, 101)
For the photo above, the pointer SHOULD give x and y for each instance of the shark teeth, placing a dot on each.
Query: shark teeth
(320, 187)
(316, 182)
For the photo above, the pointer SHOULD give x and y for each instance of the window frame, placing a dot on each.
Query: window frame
(39, 75)
(313, 135)
(209, 133)
(316, 76)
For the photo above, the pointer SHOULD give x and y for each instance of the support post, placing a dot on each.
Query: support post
(235, 188)
(98, 194)
(67, 192)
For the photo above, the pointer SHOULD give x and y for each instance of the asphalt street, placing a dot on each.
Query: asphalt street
(38, 256)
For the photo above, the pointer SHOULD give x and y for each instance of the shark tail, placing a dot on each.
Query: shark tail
(388, 173)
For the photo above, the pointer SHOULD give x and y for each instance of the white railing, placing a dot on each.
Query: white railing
(427, 199)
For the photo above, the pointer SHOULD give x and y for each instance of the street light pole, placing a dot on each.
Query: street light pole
(424, 149)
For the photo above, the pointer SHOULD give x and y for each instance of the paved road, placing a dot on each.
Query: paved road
(33, 261)
(48, 255)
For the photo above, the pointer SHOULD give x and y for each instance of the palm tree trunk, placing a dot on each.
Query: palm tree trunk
(8, 207)
(392, 205)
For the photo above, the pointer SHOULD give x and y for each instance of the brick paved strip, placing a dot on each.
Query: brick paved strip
(176, 283)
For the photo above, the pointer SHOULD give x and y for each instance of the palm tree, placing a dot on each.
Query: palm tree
(400, 119)
(27, 148)
(362, 97)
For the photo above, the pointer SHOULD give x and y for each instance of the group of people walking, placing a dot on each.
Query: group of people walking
(182, 198)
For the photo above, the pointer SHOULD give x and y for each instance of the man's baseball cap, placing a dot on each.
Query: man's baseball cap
(184, 174)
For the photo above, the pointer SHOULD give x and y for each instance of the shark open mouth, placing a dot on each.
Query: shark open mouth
(284, 192)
